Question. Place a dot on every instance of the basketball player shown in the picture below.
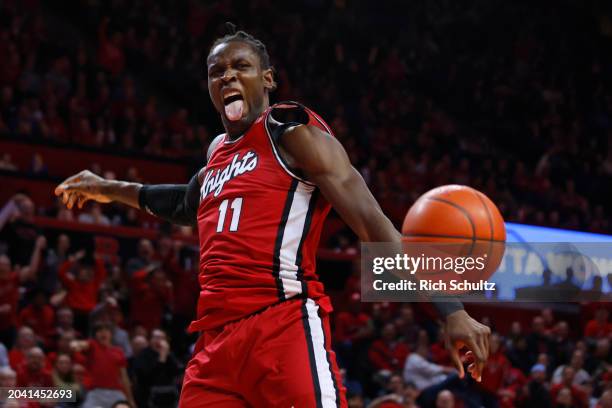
(259, 205)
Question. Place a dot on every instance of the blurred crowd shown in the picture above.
(524, 115)
(113, 328)
(511, 98)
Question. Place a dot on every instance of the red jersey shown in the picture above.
(259, 225)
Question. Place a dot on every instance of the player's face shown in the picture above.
(238, 85)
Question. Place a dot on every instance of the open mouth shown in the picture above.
(234, 105)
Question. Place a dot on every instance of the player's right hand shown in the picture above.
(82, 187)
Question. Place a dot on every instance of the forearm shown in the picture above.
(122, 191)
(176, 203)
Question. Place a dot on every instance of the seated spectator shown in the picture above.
(605, 401)
(155, 369)
(4, 359)
(537, 393)
(63, 376)
(25, 341)
(94, 215)
(8, 377)
(565, 399)
(388, 353)
(495, 370)
(9, 298)
(106, 366)
(578, 397)
(64, 346)
(7, 164)
(83, 288)
(144, 258)
(580, 375)
(445, 399)
(599, 326)
(64, 324)
(39, 316)
(38, 166)
(423, 373)
(151, 297)
(33, 372)
(108, 312)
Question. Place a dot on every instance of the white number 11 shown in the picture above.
(236, 207)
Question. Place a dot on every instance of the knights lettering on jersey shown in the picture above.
(259, 225)
(214, 180)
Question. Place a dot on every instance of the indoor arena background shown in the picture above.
(513, 98)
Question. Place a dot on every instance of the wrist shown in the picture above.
(456, 314)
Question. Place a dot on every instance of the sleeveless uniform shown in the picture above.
(262, 310)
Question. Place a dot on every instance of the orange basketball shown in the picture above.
(466, 220)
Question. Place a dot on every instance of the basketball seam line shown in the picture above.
(478, 195)
(464, 212)
(450, 236)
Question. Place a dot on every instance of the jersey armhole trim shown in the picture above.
(279, 158)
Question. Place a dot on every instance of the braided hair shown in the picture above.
(254, 43)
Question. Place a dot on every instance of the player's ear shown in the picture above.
(268, 77)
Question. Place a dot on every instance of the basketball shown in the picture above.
(458, 221)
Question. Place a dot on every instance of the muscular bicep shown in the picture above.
(325, 163)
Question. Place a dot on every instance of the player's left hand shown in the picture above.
(461, 330)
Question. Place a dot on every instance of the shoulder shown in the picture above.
(284, 117)
(213, 145)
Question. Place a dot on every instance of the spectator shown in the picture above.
(55, 257)
(9, 298)
(599, 326)
(578, 397)
(7, 164)
(423, 373)
(445, 399)
(4, 360)
(580, 375)
(63, 376)
(151, 297)
(33, 373)
(605, 401)
(537, 392)
(353, 327)
(155, 369)
(107, 311)
(495, 371)
(388, 353)
(8, 377)
(106, 366)
(144, 258)
(25, 341)
(39, 316)
(64, 347)
(94, 215)
(38, 166)
(83, 288)
(18, 229)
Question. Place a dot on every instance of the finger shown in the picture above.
(473, 344)
(72, 199)
(81, 202)
(454, 354)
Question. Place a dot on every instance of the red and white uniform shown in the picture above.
(259, 226)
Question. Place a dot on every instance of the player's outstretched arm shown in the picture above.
(325, 162)
(176, 203)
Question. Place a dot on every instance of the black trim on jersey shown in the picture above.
(298, 259)
(327, 347)
(311, 356)
(276, 129)
(279, 239)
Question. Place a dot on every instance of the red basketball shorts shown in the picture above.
(280, 357)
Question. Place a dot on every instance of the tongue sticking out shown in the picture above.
(233, 110)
